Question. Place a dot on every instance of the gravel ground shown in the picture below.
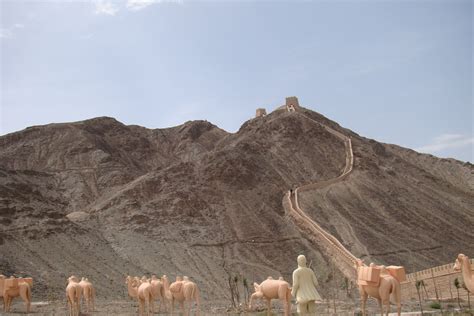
(129, 307)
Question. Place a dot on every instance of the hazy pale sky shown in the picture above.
(396, 71)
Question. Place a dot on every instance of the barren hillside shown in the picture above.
(103, 199)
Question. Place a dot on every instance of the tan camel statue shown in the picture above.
(191, 293)
(88, 293)
(12, 287)
(462, 263)
(158, 291)
(273, 289)
(145, 298)
(384, 290)
(73, 295)
(166, 291)
(132, 287)
(184, 292)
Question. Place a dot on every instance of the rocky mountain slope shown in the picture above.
(102, 199)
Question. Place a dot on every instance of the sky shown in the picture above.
(399, 72)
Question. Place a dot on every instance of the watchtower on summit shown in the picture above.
(292, 104)
(261, 112)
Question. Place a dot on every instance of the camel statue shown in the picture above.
(462, 263)
(88, 292)
(11, 288)
(184, 291)
(168, 297)
(158, 291)
(73, 295)
(273, 289)
(384, 290)
(145, 298)
(132, 287)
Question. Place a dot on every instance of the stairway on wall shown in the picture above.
(342, 258)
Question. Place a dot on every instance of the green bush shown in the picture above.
(435, 305)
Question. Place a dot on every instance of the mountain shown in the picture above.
(101, 199)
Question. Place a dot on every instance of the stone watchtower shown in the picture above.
(292, 104)
(261, 112)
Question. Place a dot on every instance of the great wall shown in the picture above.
(438, 281)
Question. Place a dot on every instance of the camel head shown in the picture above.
(256, 286)
(186, 279)
(130, 281)
(459, 261)
(72, 278)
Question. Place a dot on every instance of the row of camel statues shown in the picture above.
(379, 282)
(147, 290)
(77, 290)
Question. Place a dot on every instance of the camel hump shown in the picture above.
(274, 283)
(398, 272)
(29, 281)
(176, 287)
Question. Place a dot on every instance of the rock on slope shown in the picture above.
(103, 199)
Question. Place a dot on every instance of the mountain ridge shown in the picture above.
(197, 200)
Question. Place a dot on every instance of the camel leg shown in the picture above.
(269, 307)
(140, 307)
(187, 306)
(387, 306)
(251, 301)
(26, 296)
(68, 305)
(363, 301)
(152, 303)
(5, 303)
(181, 305)
(380, 306)
(9, 303)
(285, 307)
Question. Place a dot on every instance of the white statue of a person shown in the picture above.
(304, 288)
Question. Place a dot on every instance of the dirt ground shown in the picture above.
(129, 307)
